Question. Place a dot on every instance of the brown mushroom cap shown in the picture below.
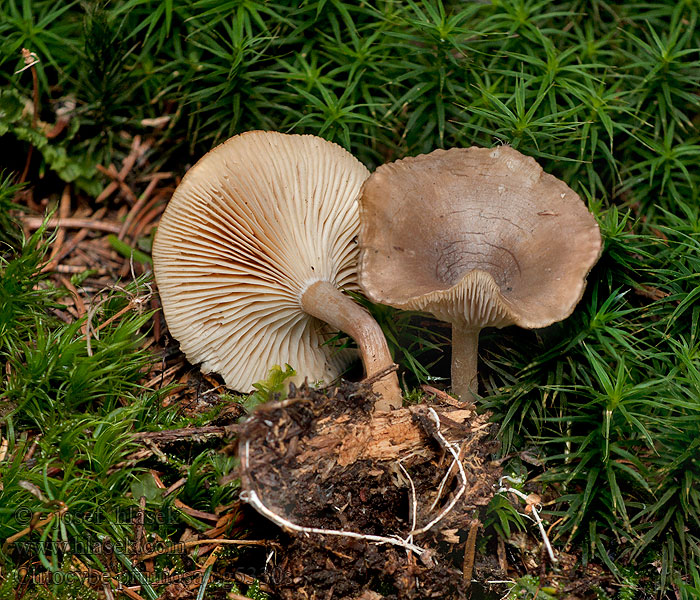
(252, 225)
(477, 234)
(479, 237)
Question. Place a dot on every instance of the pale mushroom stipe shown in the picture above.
(250, 257)
(478, 237)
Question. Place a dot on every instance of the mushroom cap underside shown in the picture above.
(257, 220)
(475, 235)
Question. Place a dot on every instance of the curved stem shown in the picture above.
(326, 302)
(465, 351)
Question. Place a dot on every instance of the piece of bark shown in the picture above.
(387, 436)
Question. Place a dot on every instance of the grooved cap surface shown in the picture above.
(253, 223)
(477, 236)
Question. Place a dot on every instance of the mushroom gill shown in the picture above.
(252, 252)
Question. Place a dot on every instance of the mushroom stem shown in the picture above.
(465, 351)
(326, 302)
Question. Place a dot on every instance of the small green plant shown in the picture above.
(629, 585)
(272, 388)
(72, 402)
(690, 588)
(252, 592)
(529, 588)
(503, 517)
(10, 233)
(58, 156)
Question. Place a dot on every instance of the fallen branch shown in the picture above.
(63, 212)
(322, 463)
(470, 552)
(401, 436)
(72, 269)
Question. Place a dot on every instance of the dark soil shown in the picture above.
(322, 459)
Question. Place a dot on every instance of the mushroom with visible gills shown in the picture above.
(250, 257)
(478, 237)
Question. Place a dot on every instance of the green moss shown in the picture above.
(604, 406)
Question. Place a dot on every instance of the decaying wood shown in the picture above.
(388, 436)
(330, 430)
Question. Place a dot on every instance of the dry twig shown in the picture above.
(98, 225)
(470, 552)
(194, 543)
(140, 204)
(63, 213)
(79, 236)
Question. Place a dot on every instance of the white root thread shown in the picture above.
(535, 512)
(414, 503)
(252, 498)
(414, 500)
(441, 489)
(463, 475)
